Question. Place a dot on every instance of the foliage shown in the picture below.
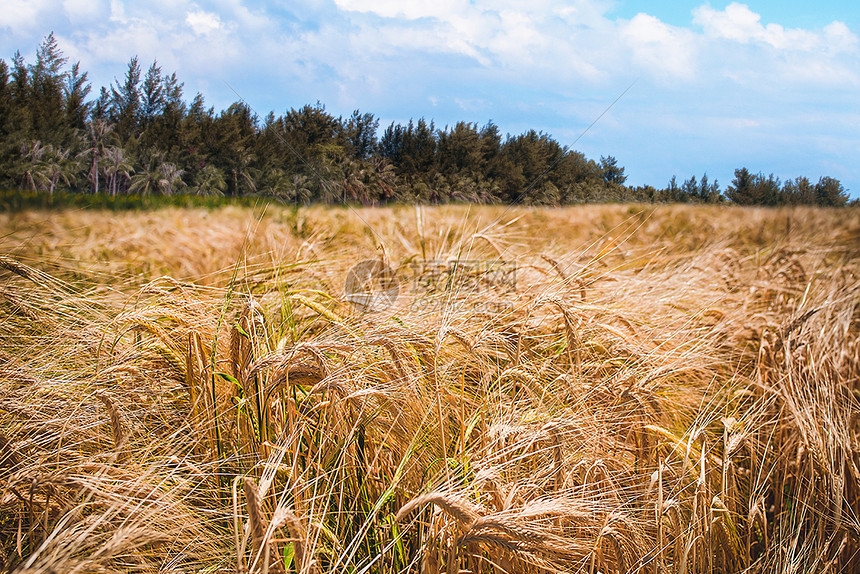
(140, 135)
(17, 200)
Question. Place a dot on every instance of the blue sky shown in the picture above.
(768, 85)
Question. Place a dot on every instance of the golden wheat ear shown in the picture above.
(464, 512)
(697, 413)
(117, 425)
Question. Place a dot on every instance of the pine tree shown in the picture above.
(19, 122)
(47, 104)
(8, 151)
(361, 135)
(125, 103)
(691, 189)
(612, 172)
(76, 90)
(743, 188)
(233, 134)
(460, 152)
(709, 192)
(151, 95)
(830, 193)
(799, 191)
(102, 106)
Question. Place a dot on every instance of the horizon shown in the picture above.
(766, 86)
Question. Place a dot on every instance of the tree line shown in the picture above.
(140, 135)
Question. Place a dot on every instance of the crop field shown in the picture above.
(439, 389)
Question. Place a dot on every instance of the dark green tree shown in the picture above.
(461, 153)
(195, 135)
(612, 172)
(101, 107)
(310, 130)
(491, 151)
(52, 136)
(411, 149)
(749, 189)
(691, 189)
(527, 168)
(830, 193)
(709, 192)
(578, 178)
(125, 103)
(75, 92)
(230, 143)
(151, 95)
(671, 193)
(743, 188)
(799, 191)
(46, 101)
(9, 154)
(360, 135)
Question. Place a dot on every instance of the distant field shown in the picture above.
(442, 389)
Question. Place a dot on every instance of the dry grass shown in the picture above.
(669, 390)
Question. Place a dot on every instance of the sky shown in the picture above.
(708, 87)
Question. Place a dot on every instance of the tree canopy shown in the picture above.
(140, 135)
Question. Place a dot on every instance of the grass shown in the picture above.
(667, 389)
(16, 200)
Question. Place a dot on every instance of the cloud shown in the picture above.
(369, 46)
(202, 23)
(117, 10)
(738, 23)
(409, 9)
(543, 64)
(665, 50)
(18, 14)
(838, 38)
(83, 12)
(767, 58)
(558, 41)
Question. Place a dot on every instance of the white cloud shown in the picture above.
(17, 14)
(117, 10)
(740, 24)
(839, 38)
(182, 37)
(202, 23)
(663, 49)
(737, 22)
(82, 12)
(742, 49)
(558, 40)
(409, 9)
(367, 45)
(470, 104)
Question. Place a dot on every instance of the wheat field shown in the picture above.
(639, 389)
